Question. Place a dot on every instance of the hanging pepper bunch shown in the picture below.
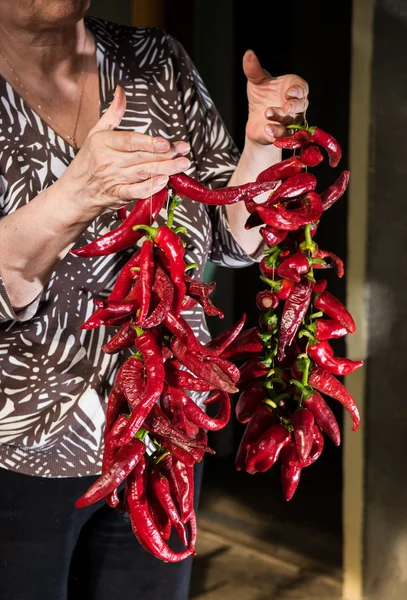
(150, 393)
(289, 361)
(290, 365)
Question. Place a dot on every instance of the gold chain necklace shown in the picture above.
(71, 138)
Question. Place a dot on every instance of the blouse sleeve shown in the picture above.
(214, 152)
(7, 312)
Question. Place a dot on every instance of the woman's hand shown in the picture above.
(274, 102)
(115, 167)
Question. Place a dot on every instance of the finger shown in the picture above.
(113, 115)
(128, 192)
(139, 173)
(275, 131)
(276, 114)
(253, 69)
(293, 107)
(131, 141)
(298, 89)
(130, 159)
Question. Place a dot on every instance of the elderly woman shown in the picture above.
(93, 115)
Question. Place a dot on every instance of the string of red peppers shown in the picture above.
(289, 362)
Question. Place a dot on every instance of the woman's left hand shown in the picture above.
(274, 102)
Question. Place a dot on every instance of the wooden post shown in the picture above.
(148, 13)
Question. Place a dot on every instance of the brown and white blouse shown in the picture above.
(54, 378)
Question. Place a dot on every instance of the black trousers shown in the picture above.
(49, 550)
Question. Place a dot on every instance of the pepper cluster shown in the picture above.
(150, 394)
(290, 361)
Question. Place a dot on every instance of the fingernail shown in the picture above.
(161, 145)
(288, 107)
(269, 113)
(116, 90)
(183, 164)
(269, 130)
(182, 147)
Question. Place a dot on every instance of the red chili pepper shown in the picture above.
(332, 307)
(316, 450)
(157, 423)
(122, 213)
(116, 404)
(164, 290)
(327, 329)
(326, 383)
(124, 462)
(323, 416)
(303, 422)
(328, 142)
(311, 156)
(273, 236)
(196, 415)
(251, 370)
(184, 477)
(282, 170)
(200, 292)
(266, 300)
(265, 451)
(180, 328)
(183, 380)
(266, 269)
(248, 342)
(124, 338)
(300, 139)
(291, 220)
(294, 311)
(161, 488)
(261, 420)
(227, 367)
(293, 267)
(323, 355)
(225, 339)
(290, 470)
(182, 184)
(188, 303)
(154, 367)
(130, 379)
(335, 191)
(142, 523)
(116, 307)
(285, 289)
(144, 212)
(147, 267)
(171, 404)
(320, 286)
(158, 514)
(166, 467)
(202, 367)
(249, 399)
(292, 187)
(336, 261)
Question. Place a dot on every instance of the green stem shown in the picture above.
(191, 266)
(273, 284)
(141, 434)
(297, 127)
(152, 231)
(181, 229)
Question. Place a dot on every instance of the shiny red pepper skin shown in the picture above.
(300, 139)
(116, 404)
(303, 423)
(251, 370)
(273, 236)
(226, 366)
(124, 338)
(154, 367)
(202, 367)
(282, 170)
(249, 400)
(294, 311)
(130, 379)
(147, 268)
(285, 289)
(182, 184)
(225, 339)
(311, 156)
(332, 307)
(323, 416)
(157, 423)
(316, 450)
(171, 245)
(336, 263)
(171, 404)
(290, 470)
(323, 355)
(141, 520)
(183, 380)
(292, 187)
(335, 191)
(160, 486)
(291, 220)
(246, 344)
(199, 417)
(159, 516)
(261, 420)
(200, 292)
(326, 383)
(144, 212)
(328, 142)
(122, 213)
(179, 327)
(320, 286)
(124, 462)
(327, 329)
(265, 269)
(184, 476)
(266, 300)
(265, 451)
(293, 267)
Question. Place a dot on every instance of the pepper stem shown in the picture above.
(141, 434)
(191, 266)
(298, 127)
(308, 243)
(274, 284)
(175, 202)
(152, 231)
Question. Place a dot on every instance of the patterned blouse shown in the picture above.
(54, 377)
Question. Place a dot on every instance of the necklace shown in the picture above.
(71, 138)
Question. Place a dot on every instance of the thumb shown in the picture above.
(253, 69)
(114, 114)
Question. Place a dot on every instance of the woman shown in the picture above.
(93, 115)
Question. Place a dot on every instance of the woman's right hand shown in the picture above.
(113, 168)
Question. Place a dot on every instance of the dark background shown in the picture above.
(312, 40)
